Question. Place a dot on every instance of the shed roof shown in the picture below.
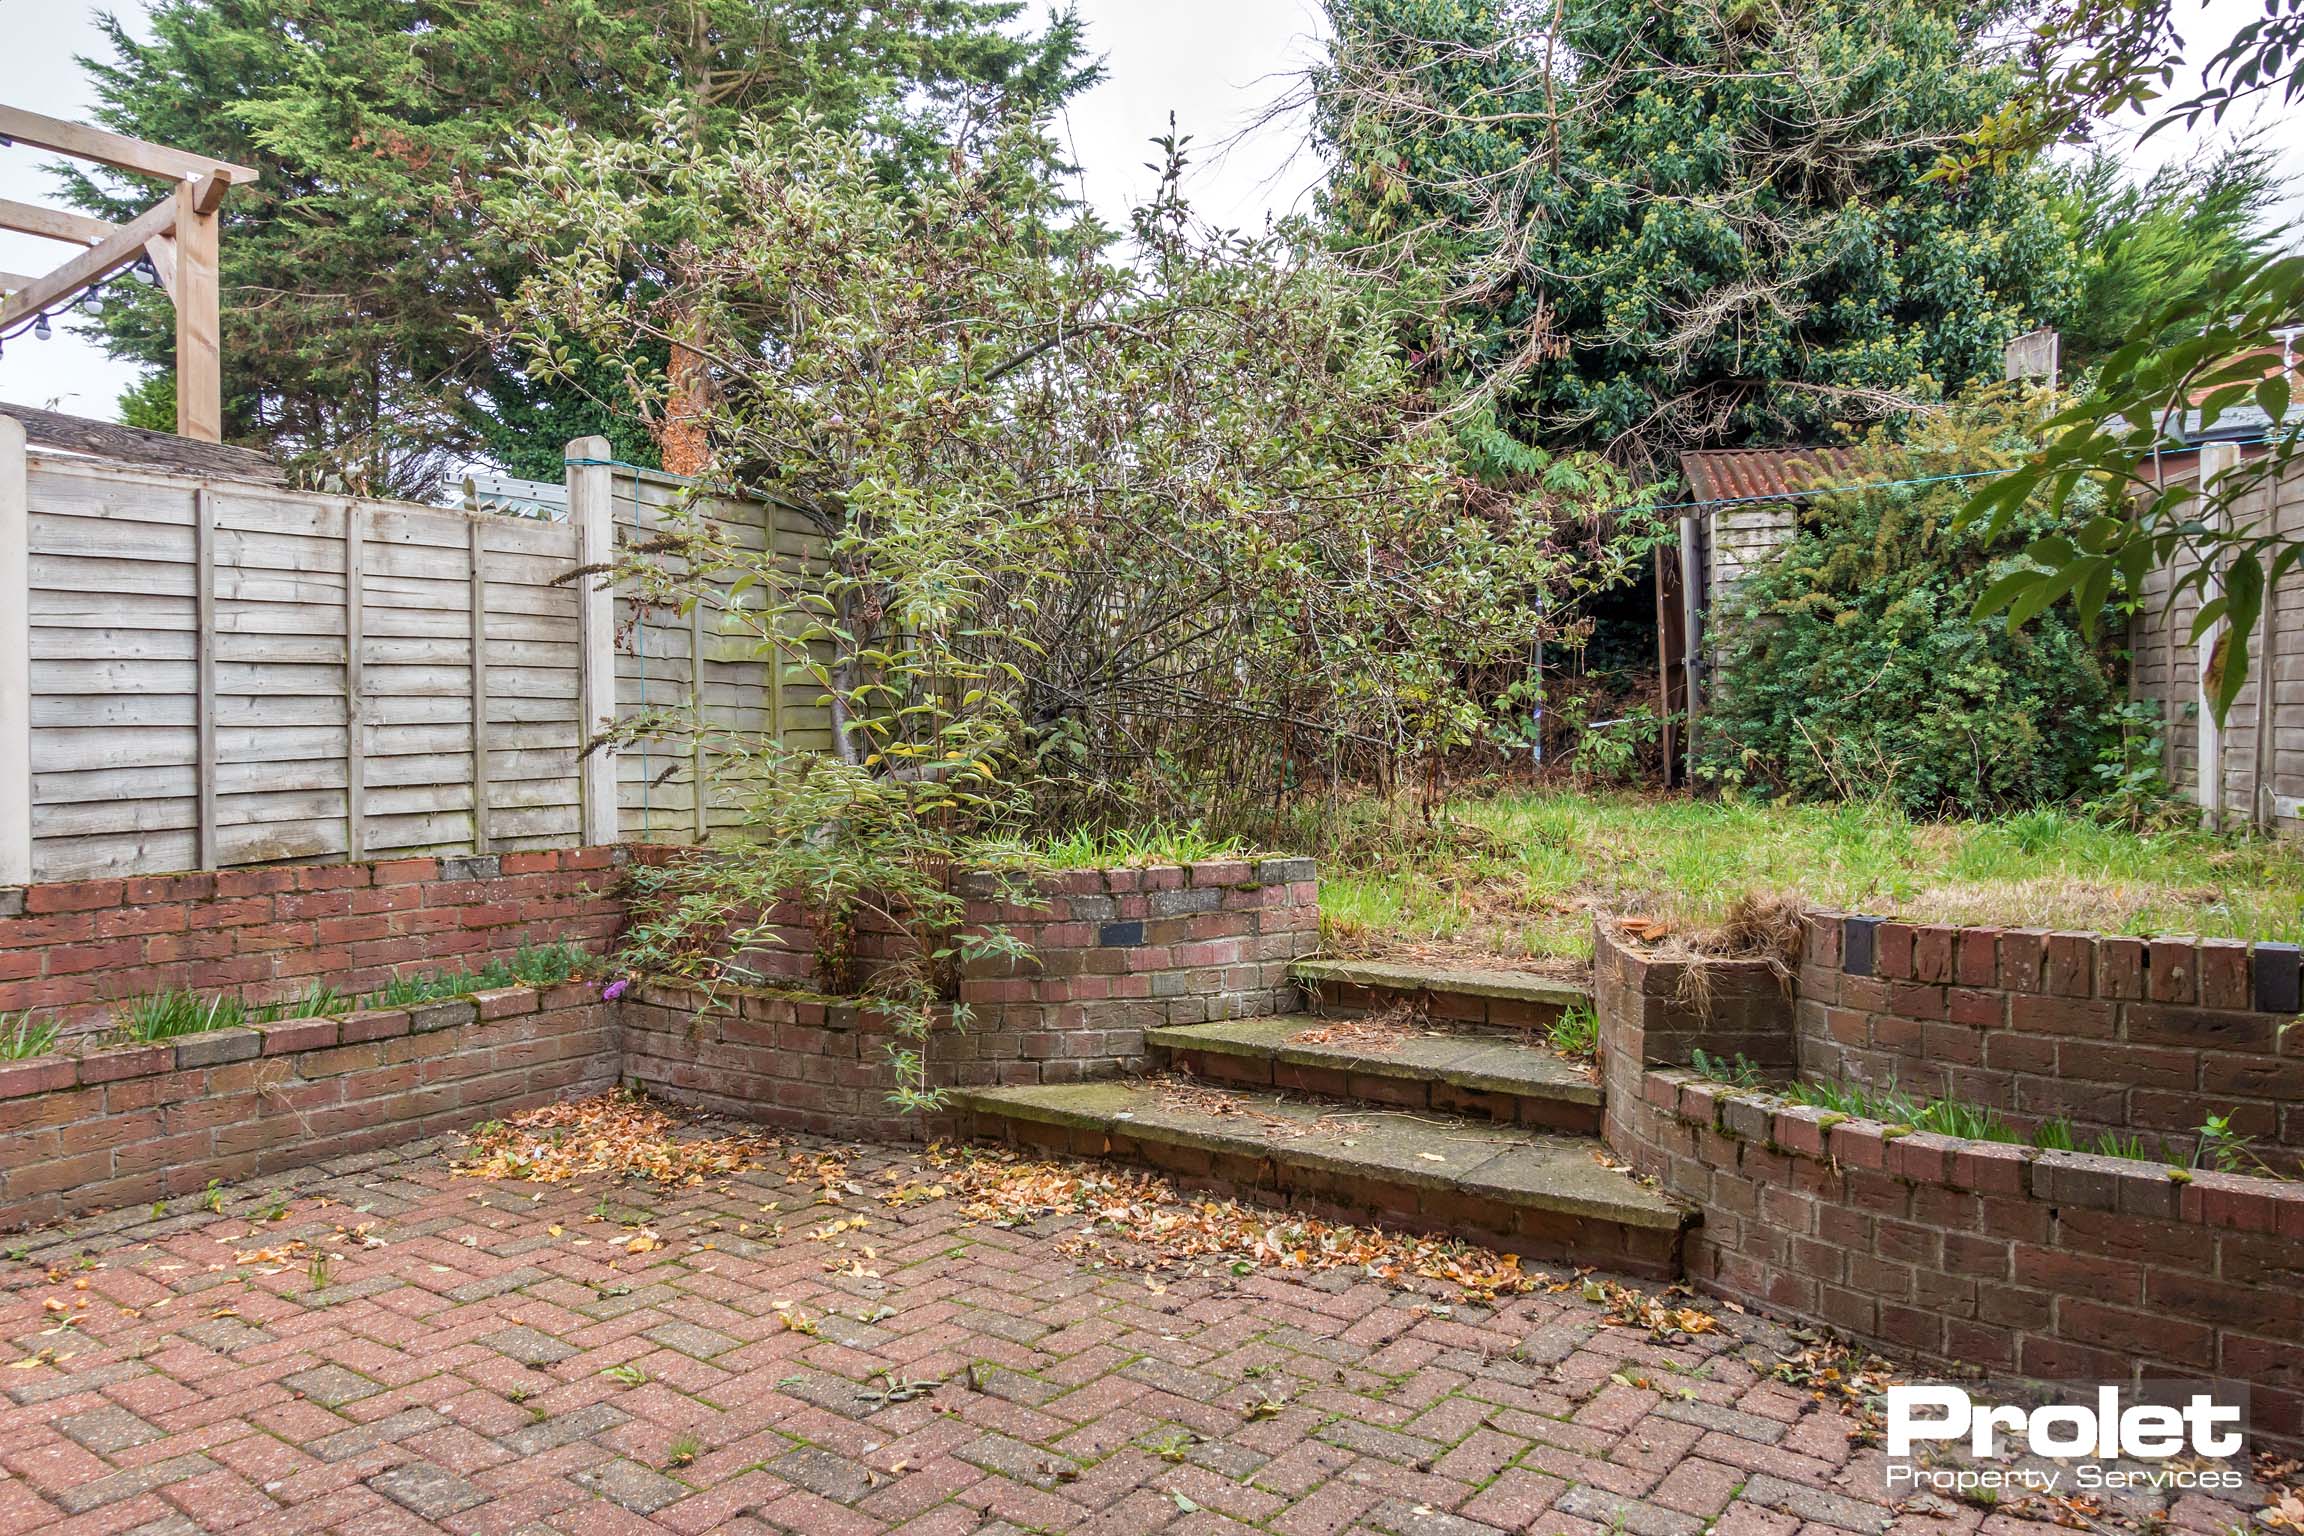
(135, 445)
(1761, 474)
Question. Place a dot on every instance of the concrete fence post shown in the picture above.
(15, 659)
(2208, 773)
(592, 513)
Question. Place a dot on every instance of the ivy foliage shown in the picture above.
(1851, 666)
(352, 270)
(1651, 227)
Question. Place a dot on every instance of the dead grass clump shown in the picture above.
(1757, 927)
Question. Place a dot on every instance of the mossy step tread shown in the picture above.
(1469, 981)
(1480, 1063)
(1503, 1163)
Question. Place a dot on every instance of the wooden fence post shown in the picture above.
(592, 512)
(15, 660)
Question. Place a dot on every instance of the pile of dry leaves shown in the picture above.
(1157, 1228)
(620, 1134)
(2283, 1480)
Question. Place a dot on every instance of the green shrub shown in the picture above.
(1849, 667)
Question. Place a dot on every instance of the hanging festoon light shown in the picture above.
(41, 330)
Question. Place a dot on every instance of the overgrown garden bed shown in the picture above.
(1516, 875)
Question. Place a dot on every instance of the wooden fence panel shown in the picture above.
(2164, 669)
(218, 673)
(658, 652)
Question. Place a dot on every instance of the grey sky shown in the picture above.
(1215, 63)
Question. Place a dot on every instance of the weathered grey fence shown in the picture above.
(200, 673)
(2259, 750)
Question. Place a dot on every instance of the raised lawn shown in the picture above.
(1523, 878)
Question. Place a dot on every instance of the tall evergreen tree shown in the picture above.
(1648, 227)
(354, 272)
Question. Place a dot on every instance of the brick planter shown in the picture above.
(1115, 953)
(125, 1124)
(2126, 1035)
(2051, 1266)
(72, 949)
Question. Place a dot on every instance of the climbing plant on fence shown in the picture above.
(1117, 531)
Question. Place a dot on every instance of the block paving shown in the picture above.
(492, 1359)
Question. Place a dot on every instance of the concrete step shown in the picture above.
(1546, 1196)
(1468, 1072)
(1445, 993)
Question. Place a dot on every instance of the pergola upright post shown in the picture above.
(199, 370)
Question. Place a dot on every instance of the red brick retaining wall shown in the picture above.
(1113, 953)
(2053, 1266)
(71, 949)
(2115, 1034)
(126, 1124)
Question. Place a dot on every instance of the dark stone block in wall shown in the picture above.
(2277, 987)
(1121, 935)
(1856, 945)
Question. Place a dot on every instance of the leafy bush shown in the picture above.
(1849, 667)
(1117, 536)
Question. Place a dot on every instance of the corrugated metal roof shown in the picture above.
(1761, 474)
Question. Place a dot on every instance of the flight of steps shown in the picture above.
(1468, 1125)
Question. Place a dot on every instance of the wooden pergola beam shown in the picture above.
(116, 150)
(53, 223)
(93, 265)
(178, 235)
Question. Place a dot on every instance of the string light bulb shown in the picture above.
(40, 328)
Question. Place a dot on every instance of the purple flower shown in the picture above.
(616, 989)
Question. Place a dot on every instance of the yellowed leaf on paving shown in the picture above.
(556, 1229)
(642, 1242)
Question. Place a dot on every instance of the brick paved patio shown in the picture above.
(486, 1357)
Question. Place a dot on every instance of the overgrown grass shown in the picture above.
(20, 1038)
(319, 1002)
(1517, 875)
(1120, 846)
(541, 965)
(2214, 1145)
(1575, 1033)
(153, 1016)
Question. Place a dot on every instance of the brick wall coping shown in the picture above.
(63, 896)
(2175, 969)
(100, 1062)
(741, 1000)
(1120, 879)
(2126, 1186)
